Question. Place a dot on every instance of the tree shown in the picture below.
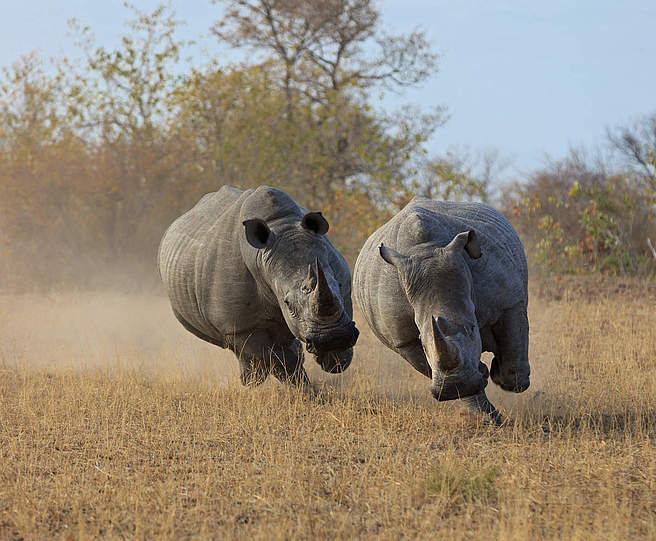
(325, 56)
(578, 217)
(236, 119)
(121, 100)
(636, 144)
(462, 174)
(326, 46)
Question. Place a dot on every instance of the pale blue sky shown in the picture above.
(528, 78)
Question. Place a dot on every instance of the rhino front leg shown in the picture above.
(259, 356)
(510, 366)
(253, 350)
(479, 403)
(252, 372)
(287, 364)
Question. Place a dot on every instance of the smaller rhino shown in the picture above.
(440, 283)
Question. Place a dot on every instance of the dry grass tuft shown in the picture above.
(114, 422)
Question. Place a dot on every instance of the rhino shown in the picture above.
(440, 283)
(254, 272)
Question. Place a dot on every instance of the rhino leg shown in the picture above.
(287, 365)
(479, 403)
(414, 354)
(259, 356)
(252, 372)
(510, 367)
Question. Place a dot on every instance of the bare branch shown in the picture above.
(651, 247)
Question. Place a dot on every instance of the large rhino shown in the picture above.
(254, 272)
(440, 283)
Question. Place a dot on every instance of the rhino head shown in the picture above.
(314, 300)
(439, 286)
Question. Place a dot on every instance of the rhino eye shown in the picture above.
(305, 289)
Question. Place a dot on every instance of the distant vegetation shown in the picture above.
(578, 217)
(99, 154)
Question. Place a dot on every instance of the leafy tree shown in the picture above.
(121, 100)
(461, 174)
(242, 136)
(98, 156)
(326, 46)
(577, 218)
(325, 57)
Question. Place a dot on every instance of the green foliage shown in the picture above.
(445, 180)
(574, 221)
(124, 91)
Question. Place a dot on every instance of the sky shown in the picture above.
(530, 79)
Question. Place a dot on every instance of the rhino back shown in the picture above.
(201, 265)
(500, 276)
(504, 261)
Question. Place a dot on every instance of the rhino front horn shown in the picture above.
(323, 299)
(448, 360)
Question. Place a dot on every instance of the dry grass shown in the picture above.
(114, 422)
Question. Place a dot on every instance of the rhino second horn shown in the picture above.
(448, 361)
(323, 299)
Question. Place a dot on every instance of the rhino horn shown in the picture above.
(310, 281)
(448, 360)
(323, 299)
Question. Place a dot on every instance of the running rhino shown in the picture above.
(440, 283)
(254, 272)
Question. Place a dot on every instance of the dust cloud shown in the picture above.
(105, 331)
(113, 332)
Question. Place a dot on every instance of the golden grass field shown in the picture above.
(117, 423)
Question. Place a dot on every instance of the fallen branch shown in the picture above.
(651, 247)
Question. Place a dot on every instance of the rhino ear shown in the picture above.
(315, 222)
(467, 240)
(257, 232)
(393, 257)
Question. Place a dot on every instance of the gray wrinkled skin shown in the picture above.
(253, 271)
(440, 283)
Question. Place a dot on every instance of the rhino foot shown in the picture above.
(479, 403)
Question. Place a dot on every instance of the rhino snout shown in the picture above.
(333, 340)
(459, 385)
(336, 361)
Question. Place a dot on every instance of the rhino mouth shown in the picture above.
(459, 385)
(334, 339)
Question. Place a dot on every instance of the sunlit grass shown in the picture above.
(114, 422)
